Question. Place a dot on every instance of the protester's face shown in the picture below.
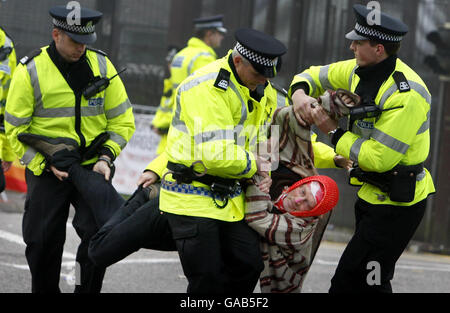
(300, 199)
(69, 49)
(365, 54)
(248, 75)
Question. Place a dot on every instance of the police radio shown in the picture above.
(361, 112)
(4, 52)
(98, 85)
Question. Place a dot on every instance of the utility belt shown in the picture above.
(221, 188)
(399, 183)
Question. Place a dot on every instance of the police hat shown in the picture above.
(82, 30)
(263, 51)
(390, 29)
(215, 22)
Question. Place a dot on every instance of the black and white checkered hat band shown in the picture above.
(370, 32)
(76, 29)
(254, 57)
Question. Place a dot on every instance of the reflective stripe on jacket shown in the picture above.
(219, 127)
(399, 136)
(41, 102)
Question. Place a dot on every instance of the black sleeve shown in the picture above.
(298, 86)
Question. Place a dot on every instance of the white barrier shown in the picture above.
(138, 153)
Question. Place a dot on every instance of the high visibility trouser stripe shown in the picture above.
(191, 63)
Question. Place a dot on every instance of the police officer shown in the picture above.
(216, 137)
(163, 116)
(47, 97)
(389, 147)
(209, 33)
(7, 66)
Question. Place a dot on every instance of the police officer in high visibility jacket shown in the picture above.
(7, 66)
(47, 97)
(210, 144)
(163, 116)
(209, 33)
(388, 138)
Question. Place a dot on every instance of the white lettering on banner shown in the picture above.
(138, 153)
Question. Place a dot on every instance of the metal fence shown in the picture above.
(136, 33)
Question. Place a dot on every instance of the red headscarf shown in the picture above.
(326, 197)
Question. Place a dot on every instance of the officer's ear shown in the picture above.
(56, 35)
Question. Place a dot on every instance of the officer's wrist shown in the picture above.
(106, 159)
(335, 135)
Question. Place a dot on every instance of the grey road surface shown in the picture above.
(149, 271)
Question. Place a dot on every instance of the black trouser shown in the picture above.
(2, 178)
(44, 231)
(217, 256)
(137, 224)
(382, 233)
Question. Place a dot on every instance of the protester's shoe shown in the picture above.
(60, 152)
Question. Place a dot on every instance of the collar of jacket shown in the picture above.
(256, 94)
(195, 42)
(59, 60)
(378, 71)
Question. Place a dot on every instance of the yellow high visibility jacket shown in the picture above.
(215, 121)
(163, 115)
(399, 136)
(41, 102)
(7, 67)
(323, 154)
(194, 56)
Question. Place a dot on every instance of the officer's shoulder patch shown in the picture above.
(401, 81)
(30, 56)
(98, 51)
(223, 79)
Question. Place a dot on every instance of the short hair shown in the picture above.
(235, 53)
(201, 32)
(391, 48)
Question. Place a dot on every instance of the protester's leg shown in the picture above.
(44, 228)
(381, 236)
(242, 257)
(99, 194)
(84, 222)
(199, 247)
(137, 224)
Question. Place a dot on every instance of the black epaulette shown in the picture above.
(223, 79)
(98, 51)
(30, 56)
(279, 89)
(7, 35)
(401, 81)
